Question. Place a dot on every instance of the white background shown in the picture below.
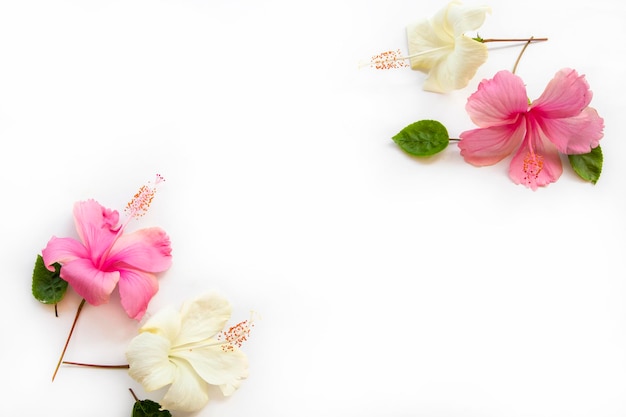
(387, 285)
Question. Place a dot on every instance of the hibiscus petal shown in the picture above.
(136, 290)
(218, 367)
(498, 101)
(146, 249)
(148, 361)
(165, 323)
(462, 18)
(440, 23)
(63, 250)
(575, 135)
(203, 318)
(188, 391)
(537, 162)
(439, 47)
(458, 68)
(566, 95)
(96, 226)
(490, 145)
(93, 285)
(426, 48)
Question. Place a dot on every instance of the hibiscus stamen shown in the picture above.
(136, 208)
(532, 166)
(140, 203)
(236, 335)
(388, 60)
(395, 59)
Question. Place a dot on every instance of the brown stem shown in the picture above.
(92, 365)
(133, 394)
(69, 336)
(531, 39)
(521, 53)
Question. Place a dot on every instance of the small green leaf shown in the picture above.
(148, 408)
(48, 286)
(588, 166)
(423, 138)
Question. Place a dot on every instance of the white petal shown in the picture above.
(440, 21)
(188, 391)
(147, 356)
(166, 323)
(459, 68)
(461, 19)
(218, 367)
(439, 48)
(203, 318)
(426, 47)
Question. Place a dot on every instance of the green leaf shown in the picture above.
(48, 286)
(588, 166)
(423, 138)
(148, 408)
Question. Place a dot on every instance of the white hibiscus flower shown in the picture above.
(440, 48)
(189, 350)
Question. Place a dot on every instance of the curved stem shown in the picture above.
(69, 336)
(521, 53)
(92, 365)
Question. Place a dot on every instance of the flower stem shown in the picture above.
(69, 336)
(91, 365)
(133, 394)
(531, 39)
(520, 54)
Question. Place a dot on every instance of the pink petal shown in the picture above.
(63, 250)
(574, 135)
(136, 290)
(490, 145)
(537, 162)
(93, 285)
(96, 226)
(566, 95)
(498, 101)
(146, 249)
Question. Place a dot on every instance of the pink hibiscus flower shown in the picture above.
(105, 257)
(559, 121)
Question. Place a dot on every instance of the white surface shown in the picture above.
(386, 285)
